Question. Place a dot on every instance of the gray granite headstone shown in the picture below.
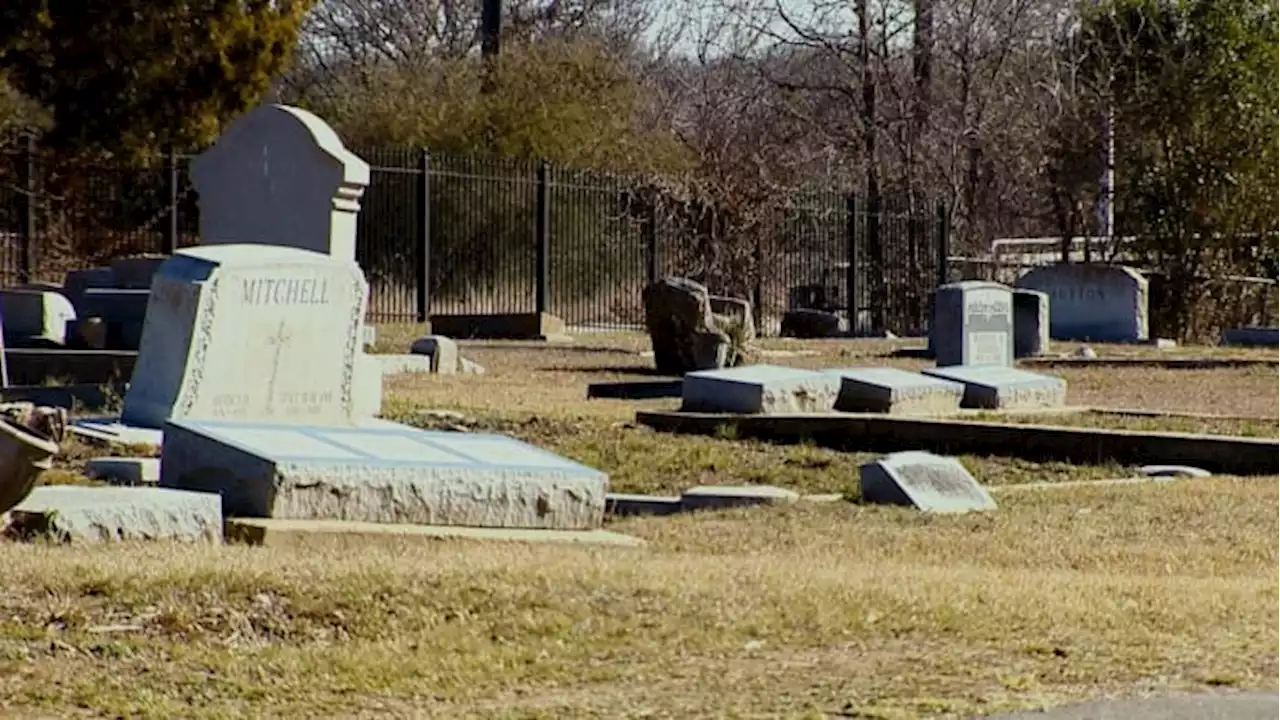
(894, 391)
(760, 389)
(972, 324)
(382, 473)
(1000, 388)
(1102, 303)
(1030, 323)
(69, 513)
(932, 483)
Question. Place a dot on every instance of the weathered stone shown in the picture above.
(136, 271)
(279, 175)
(398, 364)
(682, 328)
(67, 513)
(809, 323)
(384, 473)
(35, 317)
(125, 470)
(1251, 337)
(998, 388)
(442, 351)
(1173, 471)
(897, 392)
(722, 497)
(1030, 323)
(1101, 303)
(272, 532)
(929, 482)
(729, 310)
(250, 331)
(972, 324)
(766, 389)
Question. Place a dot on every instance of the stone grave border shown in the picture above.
(1225, 454)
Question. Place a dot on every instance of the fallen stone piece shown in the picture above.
(623, 504)
(999, 388)
(1251, 337)
(763, 389)
(443, 352)
(810, 323)
(385, 473)
(69, 513)
(127, 471)
(1173, 471)
(897, 392)
(929, 482)
(721, 497)
(291, 533)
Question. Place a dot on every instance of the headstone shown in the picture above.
(1251, 337)
(136, 271)
(897, 392)
(77, 281)
(279, 175)
(123, 311)
(76, 514)
(35, 317)
(1030, 323)
(929, 482)
(972, 324)
(999, 388)
(442, 350)
(734, 310)
(764, 389)
(384, 473)
(250, 331)
(810, 323)
(1100, 303)
(125, 470)
(721, 497)
(682, 328)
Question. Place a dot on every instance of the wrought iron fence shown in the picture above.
(442, 234)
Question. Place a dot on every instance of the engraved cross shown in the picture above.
(279, 340)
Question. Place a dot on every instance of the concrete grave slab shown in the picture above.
(296, 533)
(721, 497)
(250, 331)
(383, 473)
(1102, 303)
(760, 389)
(274, 157)
(35, 317)
(972, 324)
(125, 470)
(68, 513)
(897, 392)
(1030, 323)
(996, 388)
(932, 483)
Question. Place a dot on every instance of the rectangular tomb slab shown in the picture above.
(383, 473)
(763, 389)
(69, 513)
(1000, 388)
(897, 392)
(932, 483)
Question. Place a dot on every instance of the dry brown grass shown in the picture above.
(812, 610)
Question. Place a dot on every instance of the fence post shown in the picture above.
(851, 256)
(879, 287)
(943, 231)
(422, 268)
(171, 173)
(542, 240)
(27, 268)
(650, 232)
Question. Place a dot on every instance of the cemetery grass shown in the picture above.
(811, 610)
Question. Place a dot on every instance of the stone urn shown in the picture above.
(29, 439)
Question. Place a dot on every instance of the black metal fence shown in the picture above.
(440, 234)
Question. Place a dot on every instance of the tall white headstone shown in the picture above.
(250, 332)
(280, 176)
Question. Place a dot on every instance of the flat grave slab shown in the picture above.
(624, 504)
(932, 483)
(897, 392)
(636, 389)
(1251, 336)
(384, 473)
(125, 470)
(759, 389)
(1001, 388)
(292, 533)
(720, 497)
(69, 513)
